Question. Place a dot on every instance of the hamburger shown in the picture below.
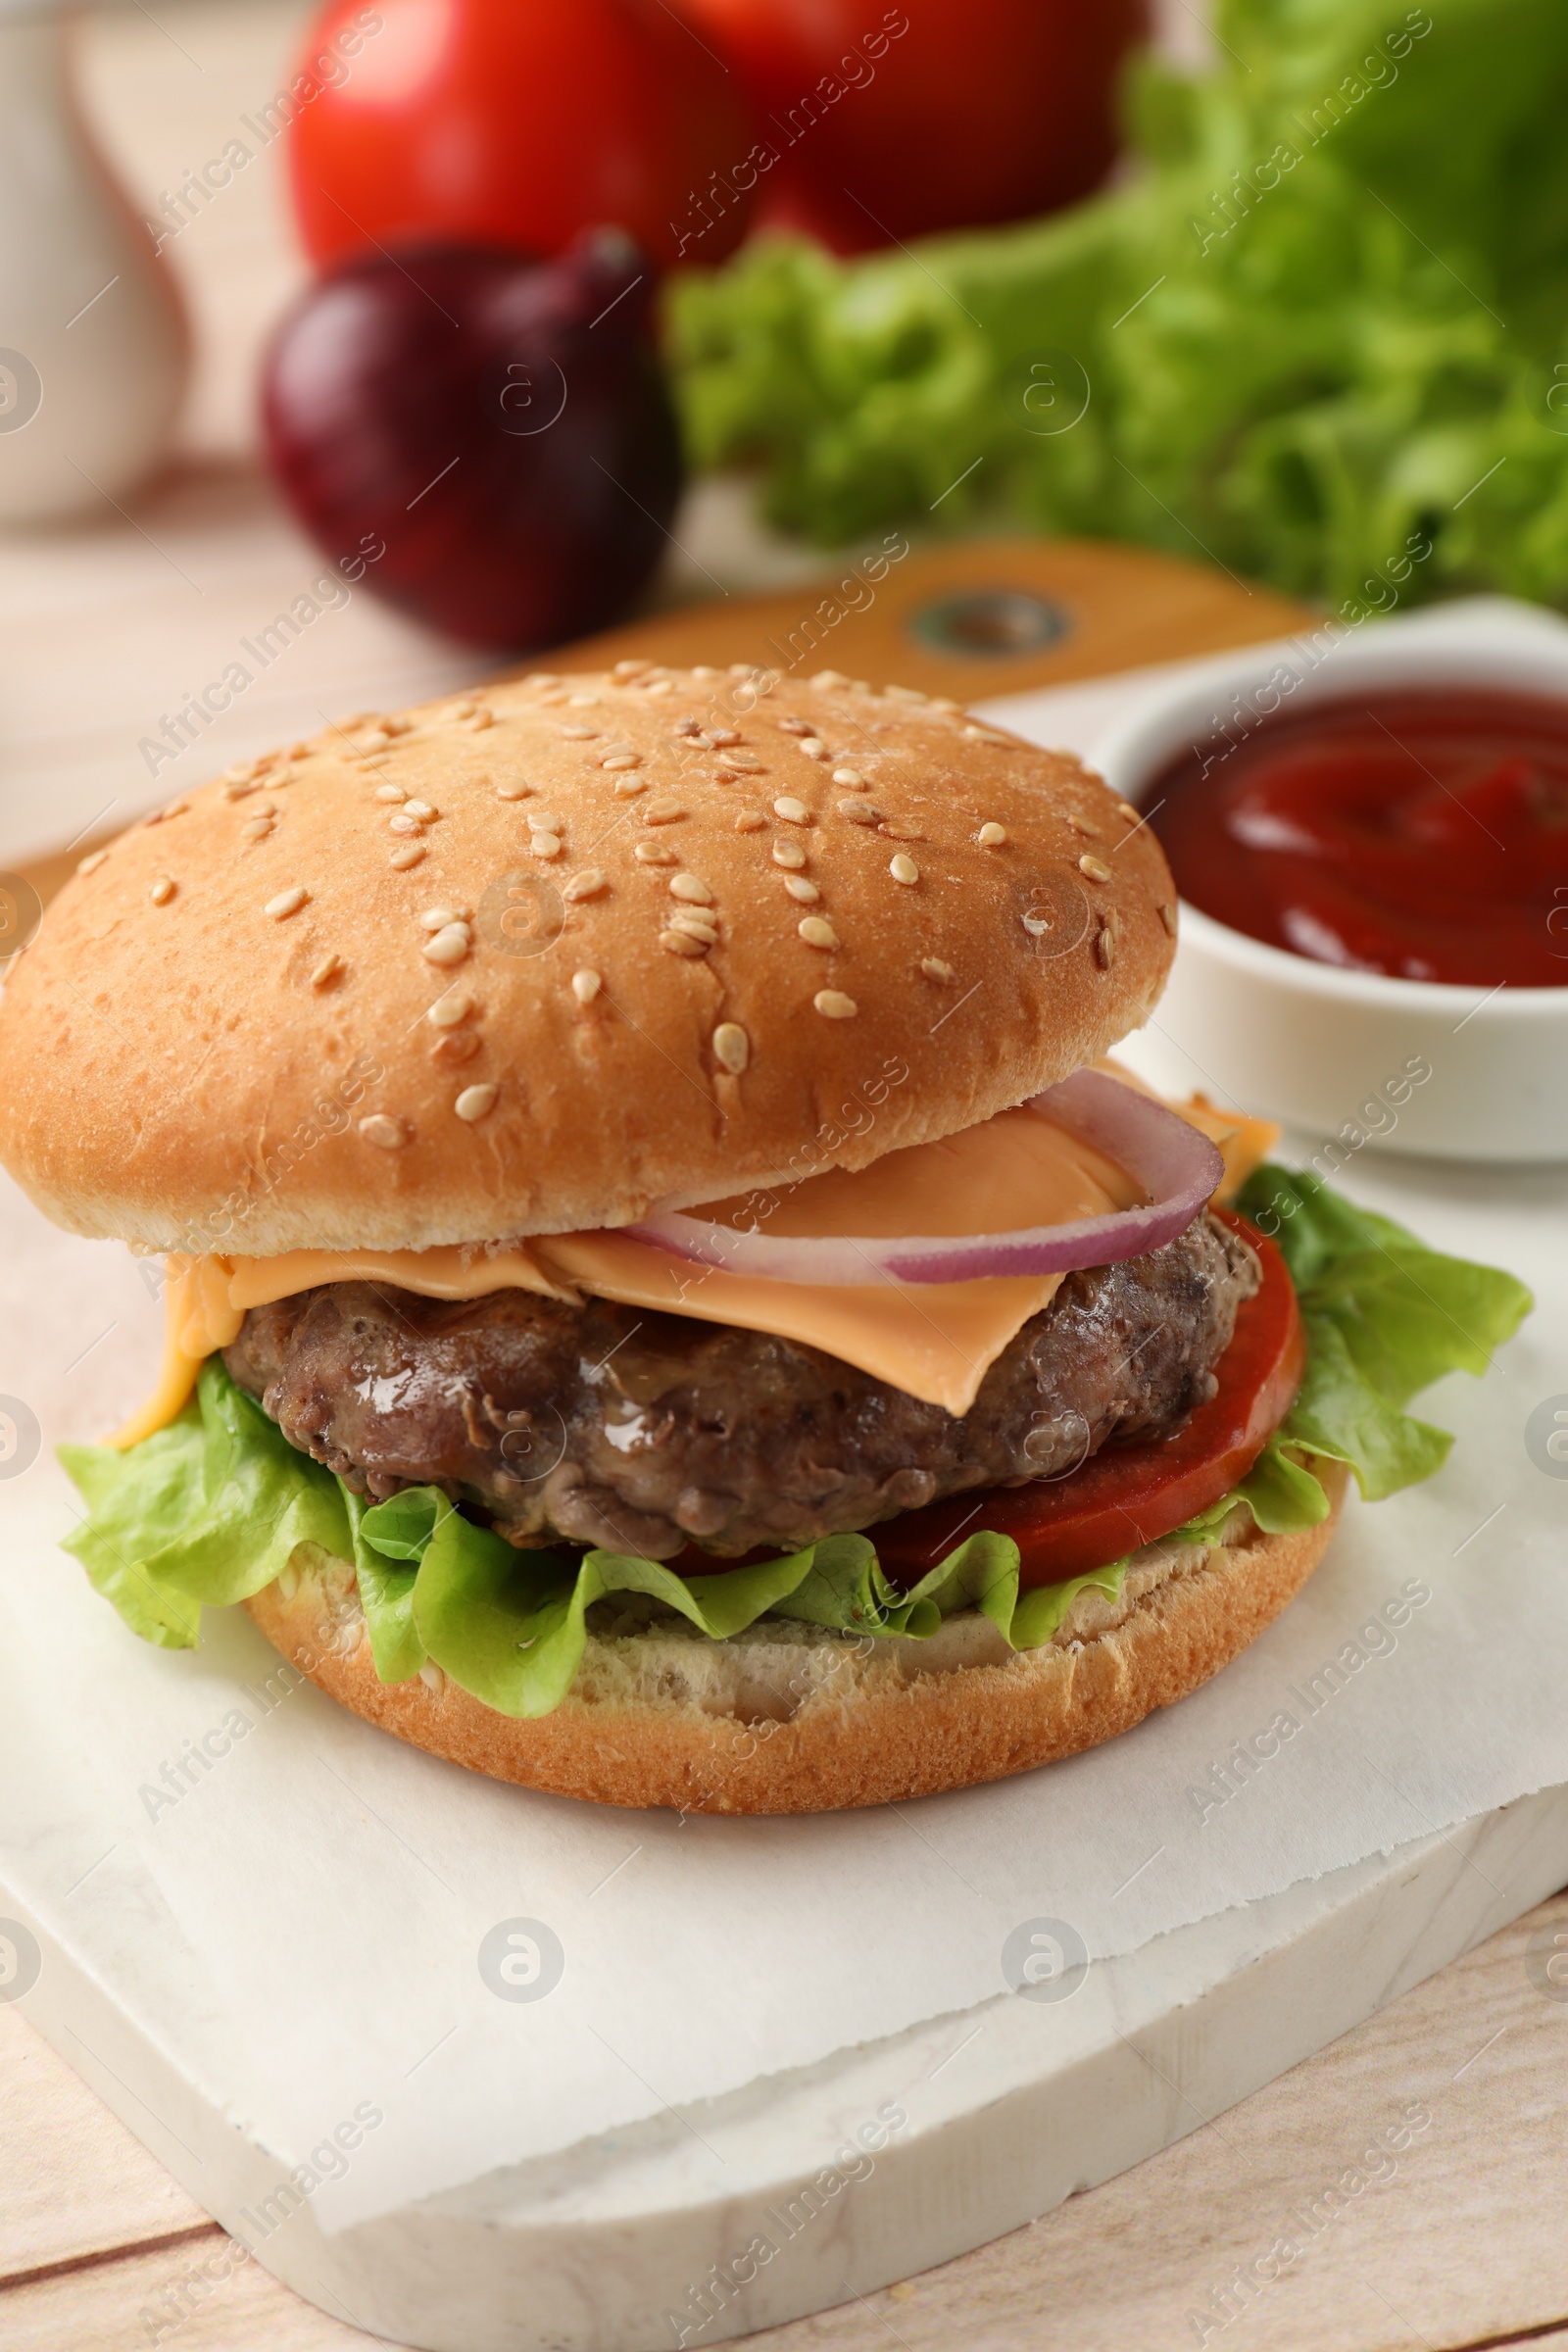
(668, 1301)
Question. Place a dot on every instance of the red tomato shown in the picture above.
(514, 123)
(894, 123)
(1131, 1495)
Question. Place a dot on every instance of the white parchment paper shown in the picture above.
(305, 1920)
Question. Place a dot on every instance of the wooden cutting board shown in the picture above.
(976, 618)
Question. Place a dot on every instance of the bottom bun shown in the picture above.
(788, 1718)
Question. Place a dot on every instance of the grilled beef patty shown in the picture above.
(637, 1431)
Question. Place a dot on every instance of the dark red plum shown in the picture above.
(502, 423)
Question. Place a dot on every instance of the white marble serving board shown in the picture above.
(305, 1935)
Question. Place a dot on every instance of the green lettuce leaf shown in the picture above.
(1385, 1318)
(211, 1509)
(205, 1512)
(137, 1503)
(1316, 334)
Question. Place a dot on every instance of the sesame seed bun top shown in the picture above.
(536, 959)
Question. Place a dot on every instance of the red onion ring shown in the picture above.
(1179, 1169)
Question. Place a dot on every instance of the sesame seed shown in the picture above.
(790, 854)
(457, 1046)
(795, 726)
(944, 702)
(624, 759)
(256, 828)
(153, 816)
(984, 735)
(1081, 825)
(1167, 915)
(424, 811)
(585, 985)
(1094, 868)
(545, 844)
(288, 902)
(327, 969)
(92, 862)
(390, 792)
(903, 869)
(547, 820)
(586, 885)
(794, 813)
(830, 678)
(411, 854)
(697, 923)
(654, 853)
(850, 775)
(815, 748)
(750, 820)
(992, 837)
(798, 888)
(1105, 947)
(834, 1006)
(512, 792)
(716, 735)
(450, 945)
(455, 711)
(543, 678)
(904, 694)
(390, 1134)
(732, 1048)
(389, 727)
(579, 734)
(662, 812)
(817, 931)
(436, 919)
(162, 891)
(901, 832)
(860, 812)
(706, 670)
(690, 888)
(935, 969)
(403, 824)
(628, 787)
(629, 670)
(1125, 808)
(475, 1101)
(681, 943)
(481, 718)
(448, 1010)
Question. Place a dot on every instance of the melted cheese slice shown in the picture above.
(936, 1341)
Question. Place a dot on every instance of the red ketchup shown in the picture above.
(1420, 834)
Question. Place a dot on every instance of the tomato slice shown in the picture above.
(1131, 1495)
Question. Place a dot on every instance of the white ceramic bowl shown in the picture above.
(1409, 1065)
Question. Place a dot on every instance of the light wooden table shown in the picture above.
(1464, 2245)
